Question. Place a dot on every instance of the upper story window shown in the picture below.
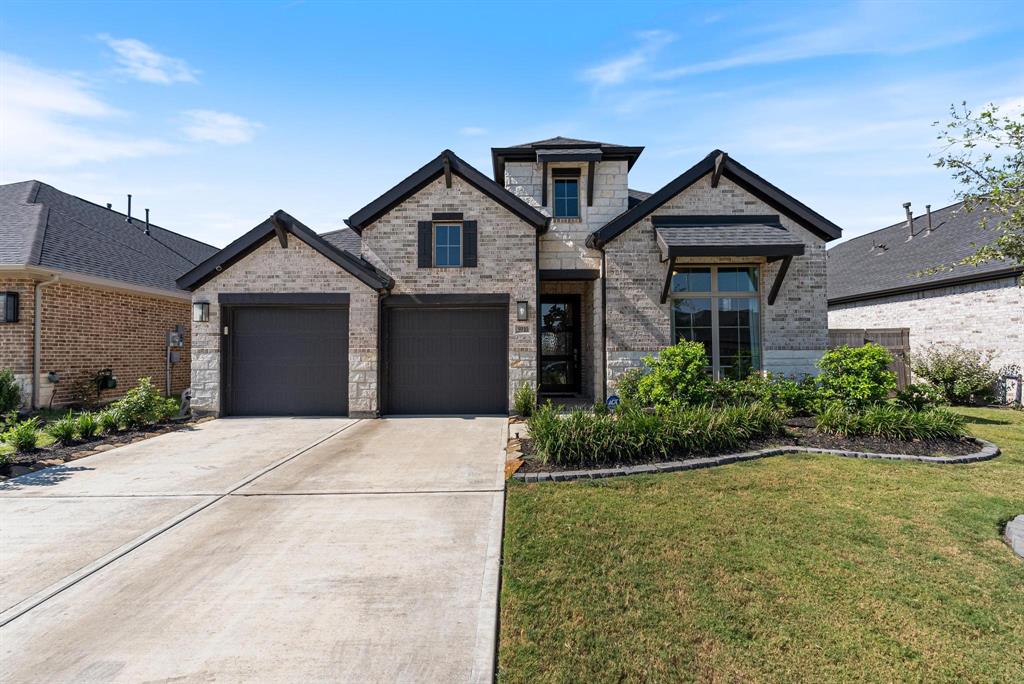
(448, 244)
(8, 307)
(567, 197)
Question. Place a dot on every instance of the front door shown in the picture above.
(560, 344)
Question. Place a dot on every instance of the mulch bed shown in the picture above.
(54, 454)
(799, 432)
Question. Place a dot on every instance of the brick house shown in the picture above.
(84, 289)
(453, 288)
(882, 280)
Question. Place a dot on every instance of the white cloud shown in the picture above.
(206, 125)
(142, 62)
(52, 120)
(473, 131)
(618, 70)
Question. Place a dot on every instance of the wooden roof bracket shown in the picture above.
(447, 172)
(779, 277)
(716, 176)
(281, 231)
(668, 280)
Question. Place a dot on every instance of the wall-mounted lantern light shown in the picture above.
(522, 311)
(200, 312)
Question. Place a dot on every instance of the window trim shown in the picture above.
(433, 242)
(715, 295)
(555, 180)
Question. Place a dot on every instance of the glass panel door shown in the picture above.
(559, 344)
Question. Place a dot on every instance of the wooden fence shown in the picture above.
(896, 340)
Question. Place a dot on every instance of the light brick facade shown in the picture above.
(987, 316)
(271, 268)
(87, 328)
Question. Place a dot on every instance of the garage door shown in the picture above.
(288, 361)
(447, 360)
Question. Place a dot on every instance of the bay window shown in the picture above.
(719, 307)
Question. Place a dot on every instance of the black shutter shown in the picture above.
(425, 243)
(469, 244)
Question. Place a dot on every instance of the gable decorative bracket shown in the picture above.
(716, 176)
(281, 231)
(447, 172)
(668, 281)
(779, 277)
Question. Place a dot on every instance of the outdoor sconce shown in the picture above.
(201, 312)
(522, 311)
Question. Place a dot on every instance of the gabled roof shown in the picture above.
(885, 262)
(737, 173)
(435, 168)
(743, 235)
(559, 148)
(43, 227)
(277, 224)
(636, 197)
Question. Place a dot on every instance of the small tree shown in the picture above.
(985, 153)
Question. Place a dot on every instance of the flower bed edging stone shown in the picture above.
(988, 451)
(1014, 535)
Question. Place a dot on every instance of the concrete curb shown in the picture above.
(1014, 535)
(988, 451)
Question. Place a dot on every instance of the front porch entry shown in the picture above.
(568, 313)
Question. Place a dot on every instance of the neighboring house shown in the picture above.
(451, 289)
(83, 290)
(887, 279)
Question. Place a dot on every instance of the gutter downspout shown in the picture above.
(604, 326)
(37, 334)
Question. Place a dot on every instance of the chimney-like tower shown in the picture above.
(910, 220)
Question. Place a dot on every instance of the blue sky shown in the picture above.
(214, 115)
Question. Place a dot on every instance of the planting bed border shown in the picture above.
(988, 451)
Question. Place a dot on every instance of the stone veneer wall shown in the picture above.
(564, 245)
(86, 328)
(987, 316)
(794, 329)
(506, 247)
(297, 268)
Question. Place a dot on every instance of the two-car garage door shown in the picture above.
(437, 359)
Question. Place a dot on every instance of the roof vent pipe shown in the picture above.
(109, 205)
(128, 217)
(910, 220)
(147, 221)
(928, 209)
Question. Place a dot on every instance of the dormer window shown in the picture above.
(566, 193)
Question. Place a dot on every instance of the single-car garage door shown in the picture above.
(446, 360)
(288, 361)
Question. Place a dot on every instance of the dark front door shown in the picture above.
(446, 360)
(560, 344)
(287, 361)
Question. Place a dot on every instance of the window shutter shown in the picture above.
(469, 244)
(425, 244)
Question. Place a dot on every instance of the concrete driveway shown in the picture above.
(260, 550)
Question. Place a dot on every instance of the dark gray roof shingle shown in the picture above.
(42, 226)
(345, 239)
(885, 260)
(636, 197)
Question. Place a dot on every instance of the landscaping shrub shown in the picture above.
(524, 400)
(24, 435)
(919, 397)
(109, 420)
(628, 385)
(962, 375)
(631, 434)
(140, 405)
(64, 429)
(795, 397)
(677, 377)
(891, 422)
(10, 391)
(88, 425)
(856, 376)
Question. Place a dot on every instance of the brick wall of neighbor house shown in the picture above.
(87, 328)
(564, 245)
(297, 268)
(505, 260)
(987, 316)
(794, 329)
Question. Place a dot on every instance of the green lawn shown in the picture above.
(794, 568)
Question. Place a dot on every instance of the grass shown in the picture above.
(794, 568)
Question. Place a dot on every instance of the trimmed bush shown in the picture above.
(24, 435)
(856, 376)
(918, 397)
(64, 429)
(962, 375)
(524, 400)
(88, 425)
(628, 385)
(677, 377)
(891, 422)
(140, 405)
(795, 397)
(632, 434)
(10, 391)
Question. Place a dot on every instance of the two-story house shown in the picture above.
(452, 289)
